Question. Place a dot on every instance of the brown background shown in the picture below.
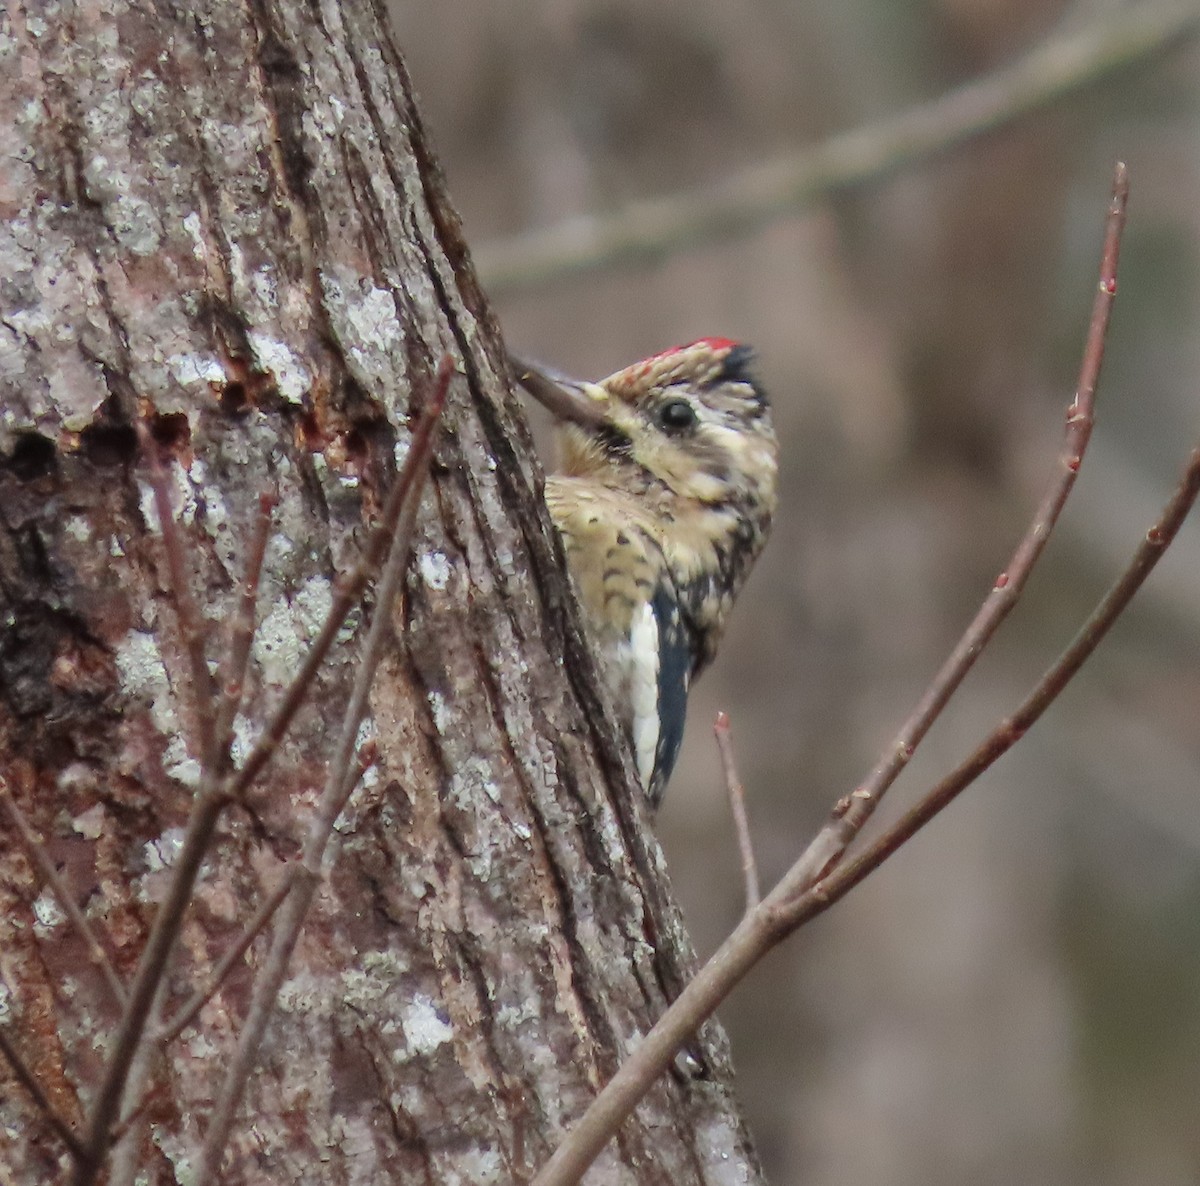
(1014, 998)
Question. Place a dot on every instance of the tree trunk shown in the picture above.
(225, 219)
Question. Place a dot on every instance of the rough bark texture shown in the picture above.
(225, 217)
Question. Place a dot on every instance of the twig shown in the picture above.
(241, 633)
(853, 812)
(1157, 539)
(340, 781)
(263, 915)
(191, 626)
(202, 823)
(127, 1121)
(796, 898)
(747, 199)
(36, 851)
(129, 1132)
(29, 1081)
(737, 803)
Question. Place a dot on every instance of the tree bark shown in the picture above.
(225, 219)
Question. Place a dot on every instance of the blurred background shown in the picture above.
(1016, 995)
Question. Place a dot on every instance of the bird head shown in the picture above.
(690, 426)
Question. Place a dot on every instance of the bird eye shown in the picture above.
(676, 415)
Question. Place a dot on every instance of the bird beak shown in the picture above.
(567, 399)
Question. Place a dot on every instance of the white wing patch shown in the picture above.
(643, 690)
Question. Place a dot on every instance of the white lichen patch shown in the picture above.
(244, 736)
(90, 823)
(191, 368)
(160, 853)
(229, 547)
(178, 1151)
(355, 1138)
(135, 224)
(12, 366)
(43, 294)
(305, 993)
(149, 508)
(480, 1167)
(520, 1009)
(505, 561)
(472, 778)
(201, 1047)
(434, 568)
(278, 359)
(374, 318)
(135, 221)
(722, 1141)
(283, 635)
(415, 884)
(324, 119)
(194, 225)
(47, 914)
(237, 263)
(78, 528)
(367, 731)
(279, 548)
(366, 321)
(440, 711)
(266, 292)
(373, 979)
(179, 764)
(144, 674)
(425, 1028)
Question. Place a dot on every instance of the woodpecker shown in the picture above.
(664, 501)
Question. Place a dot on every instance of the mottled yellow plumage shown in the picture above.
(663, 505)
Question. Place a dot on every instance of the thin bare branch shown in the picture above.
(129, 1133)
(191, 624)
(192, 1006)
(29, 1081)
(36, 851)
(128, 1120)
(854, 811)
(164, 931)
(340, 781)
(737, 804)
(241, 634)
(1159, 536)
(747, 199)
